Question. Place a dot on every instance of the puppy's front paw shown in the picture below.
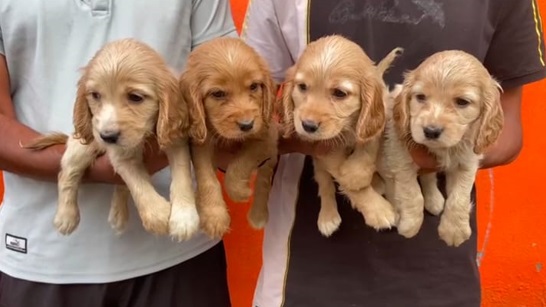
(257, 217)
(215, 220)
(237, 189)
(328, 222)
(155, 216)
(380, 214)
(434, 201)
(67, 219)
(184, 222)
(352, 178)
(454, 231)
(410, 224)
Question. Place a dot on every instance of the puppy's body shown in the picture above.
(125, 96)
(449, 104)
(335, 94)
(231, 95)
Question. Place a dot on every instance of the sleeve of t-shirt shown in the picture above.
(516, 53)
(211, 19)
(261, 30)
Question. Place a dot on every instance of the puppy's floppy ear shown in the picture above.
(401, 107)
(172, 123)
(492, 118)
(287, 103)
(268, 97)
(82, 117)
(196, 111)
(371, 120)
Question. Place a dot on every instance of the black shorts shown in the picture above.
(198, 282)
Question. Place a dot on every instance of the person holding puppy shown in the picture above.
(43, 46)
(358, 266)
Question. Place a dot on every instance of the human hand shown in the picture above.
(424, 159)
(294, 144)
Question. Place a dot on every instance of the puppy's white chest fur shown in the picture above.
(457, 157)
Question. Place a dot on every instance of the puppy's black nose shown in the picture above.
(246, 125)
(432, 132)
(110, 137)
(309, 126)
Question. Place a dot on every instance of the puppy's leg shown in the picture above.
(258, 213)
(76, 159)
(184, 220)
(352, 176)
(454, 226)
(378, 213)
(119, 210)
(409, 201)
(329, 218)
(211, 206)
(154, 209)
(239, 171)
(434, 200)
(378, 184)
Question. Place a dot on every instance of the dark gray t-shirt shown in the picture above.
(358, 266)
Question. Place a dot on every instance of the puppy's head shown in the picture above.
(450, 97)
(333, 91)
(229, 89)
(126, 94)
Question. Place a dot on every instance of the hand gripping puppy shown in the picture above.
(449, 104)
(230, 93)
(126, 95)
(334, 94)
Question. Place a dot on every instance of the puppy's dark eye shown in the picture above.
(339, 93)
(254, 86)
(218, 94)
(135, 98)
(462, 102)
(95, 95)
(421, 97)
(302, 87)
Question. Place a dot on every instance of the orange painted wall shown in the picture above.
(512, 219)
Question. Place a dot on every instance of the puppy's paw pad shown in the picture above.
(454, 233)
(329, 224)
(184, 222)
(434, 202)
(66, 221)
(215, 221)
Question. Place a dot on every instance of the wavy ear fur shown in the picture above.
(401, 110)
(492, 118)
(268, 97)
(196, 110)
(371, 120)
(82, 117)
(173, 121)
(287, 103)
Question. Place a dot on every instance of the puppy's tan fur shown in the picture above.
(127, 88)
(228, 84)
(337, 88)
(453, 92)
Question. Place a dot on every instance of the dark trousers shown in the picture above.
(198, 282)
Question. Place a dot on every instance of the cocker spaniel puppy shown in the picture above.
(230, 94)
(449, 104)
(125, 96)
(334, 94)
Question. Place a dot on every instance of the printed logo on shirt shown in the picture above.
(16, 244)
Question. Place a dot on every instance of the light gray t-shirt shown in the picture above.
(45, 44)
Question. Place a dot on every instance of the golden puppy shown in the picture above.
(125, 95)
(230, 93)
(334, 94)
(451, 105)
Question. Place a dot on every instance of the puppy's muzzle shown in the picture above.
(310, 126)
(110, 137)
(246, 125)
(432, 132)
